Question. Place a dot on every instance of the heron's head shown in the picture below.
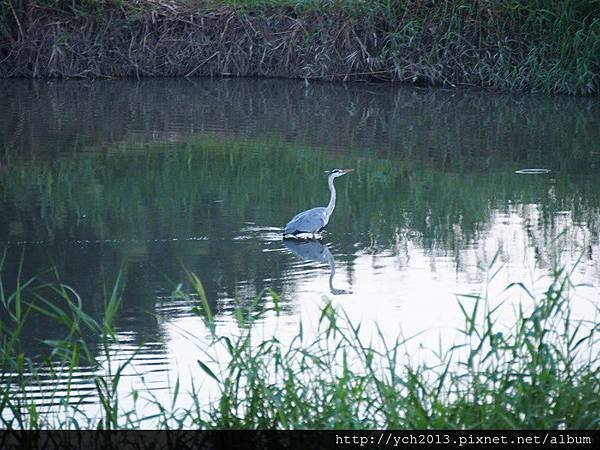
(338, 172)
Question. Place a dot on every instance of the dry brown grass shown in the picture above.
(170, 40)
(495, 44)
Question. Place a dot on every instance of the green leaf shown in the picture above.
(209, 372)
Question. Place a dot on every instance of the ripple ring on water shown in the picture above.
(532, 171)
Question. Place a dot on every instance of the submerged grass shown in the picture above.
(539, 371)
(515, 45)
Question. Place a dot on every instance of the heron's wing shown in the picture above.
(309, 221)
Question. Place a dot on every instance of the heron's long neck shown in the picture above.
(331, 205)
(331, 263)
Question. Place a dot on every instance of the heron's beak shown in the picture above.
(348, 171)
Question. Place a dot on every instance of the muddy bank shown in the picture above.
(502, 45)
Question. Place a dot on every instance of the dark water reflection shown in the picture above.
(152, 177)
(450, 129)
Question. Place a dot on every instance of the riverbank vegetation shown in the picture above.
(508, 45)
(539, 370)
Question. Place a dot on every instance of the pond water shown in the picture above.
(150, 179)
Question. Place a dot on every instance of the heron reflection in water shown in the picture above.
(314, 250)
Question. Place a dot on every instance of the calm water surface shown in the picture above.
(148, 178)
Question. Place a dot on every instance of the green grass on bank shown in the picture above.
(540, 371)
(511, 45)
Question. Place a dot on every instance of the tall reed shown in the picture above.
(539, 370)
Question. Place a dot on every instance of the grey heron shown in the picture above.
(314, 220)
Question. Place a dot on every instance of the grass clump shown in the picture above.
(510, 45)
(42, 375)
(529, 375)
(538, 371)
